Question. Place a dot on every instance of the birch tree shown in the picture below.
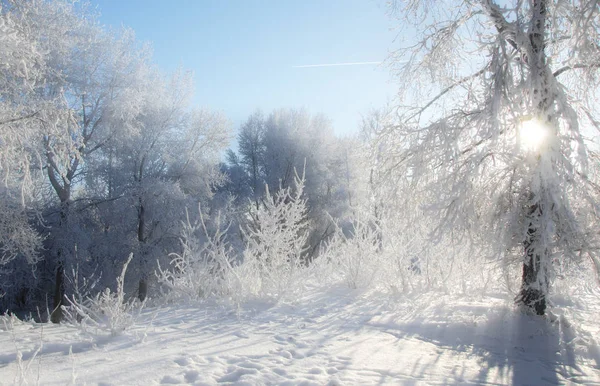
(498, 98)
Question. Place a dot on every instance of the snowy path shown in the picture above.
(327, 339)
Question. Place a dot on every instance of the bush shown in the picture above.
(106, 311)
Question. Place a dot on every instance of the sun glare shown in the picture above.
(533, 133)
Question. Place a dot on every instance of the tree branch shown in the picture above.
(18, 118)
(575, 66)
(505, 29)
(98, 202)
(445, 91)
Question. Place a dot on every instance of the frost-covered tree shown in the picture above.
(23, 111)
(101, 81)
(68, 87)
(40, 125)
(500, 97)
(96, 144)
(167, 163)
(272, 148)
(251, 147)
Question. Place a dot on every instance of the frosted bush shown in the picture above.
(276, 241)
(355, 259)
(107, 310)
(273, 258)
(204, 268)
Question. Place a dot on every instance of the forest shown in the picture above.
(104, 156)
(119, 194)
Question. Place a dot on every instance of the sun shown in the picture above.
(533, 133)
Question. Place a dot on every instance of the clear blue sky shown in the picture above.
(243, 52)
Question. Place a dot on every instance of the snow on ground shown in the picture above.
(335, 337)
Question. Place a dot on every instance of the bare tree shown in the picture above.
(497, 99)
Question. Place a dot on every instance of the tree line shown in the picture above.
(103, 155)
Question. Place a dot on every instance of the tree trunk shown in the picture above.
(143, 284)
(534, 284)
(59, 293)
(59, 285)
(142, 289)
(533, 288)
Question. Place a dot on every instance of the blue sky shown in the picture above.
(243, 52)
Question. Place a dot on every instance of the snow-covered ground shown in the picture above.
(333, 337)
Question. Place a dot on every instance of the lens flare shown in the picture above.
(533, 133)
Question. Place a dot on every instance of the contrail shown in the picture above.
(336, 64)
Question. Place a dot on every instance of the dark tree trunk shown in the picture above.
(59, 285)
(534, 280)
(533, 291)
(532, 296)
(143, 284)
(142, 289)
(59, 293)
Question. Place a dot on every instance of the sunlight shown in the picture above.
(533, 133)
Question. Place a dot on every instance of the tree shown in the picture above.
(95, 143)
(271, 149)
(166, 163)
(69, 86)
(22, 114)
(251, 145)
(496, 70)
(103, 85)
(296, 140)
(34, 113)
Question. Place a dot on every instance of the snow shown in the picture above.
(327, 337)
